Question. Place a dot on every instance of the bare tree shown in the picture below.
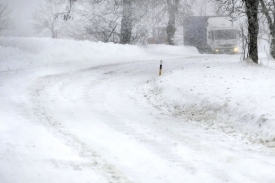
(103, 29)
(264, 32)
(244, 38)
(169, 13)
(250, 9)
(112, 21)
(96, 20)
(50, 16)
(4, 17)
(126, 22)
(171, 26)
(175, 11)
(200, 7)
(133, 22)
(268, 9)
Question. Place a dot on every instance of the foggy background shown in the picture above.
(21, 21)
(21, 18)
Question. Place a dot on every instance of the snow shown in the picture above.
(23, 53)
(77, 111)
(229, 95)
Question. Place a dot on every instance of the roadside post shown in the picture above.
(160, 68)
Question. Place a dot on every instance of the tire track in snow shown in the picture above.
(96, 92)
(96, 162)
(159, 148)
(113, 121)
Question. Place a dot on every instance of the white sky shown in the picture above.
(21, 17)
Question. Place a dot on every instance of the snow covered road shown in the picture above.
(84, 112)
(94, 125)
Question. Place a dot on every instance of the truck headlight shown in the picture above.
(217, 50)
(236, 49)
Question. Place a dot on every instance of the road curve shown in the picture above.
(101, 114)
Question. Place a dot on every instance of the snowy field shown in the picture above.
(74, 111)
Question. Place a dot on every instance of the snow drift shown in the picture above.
(232, 96)
(22, 53)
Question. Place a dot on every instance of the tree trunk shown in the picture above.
(244, 42)
(171, 27)
(126, 22)
(253, 28)
(54, 33)
(272, 45)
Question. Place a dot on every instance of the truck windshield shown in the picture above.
(225, 34)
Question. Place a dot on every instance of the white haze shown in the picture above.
(21, 25)
(22, 11)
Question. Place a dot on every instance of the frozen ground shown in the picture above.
(93, 112)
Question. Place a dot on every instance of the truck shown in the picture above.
(211, 34)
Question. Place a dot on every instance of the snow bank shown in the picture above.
(22, 53)
(234, 97)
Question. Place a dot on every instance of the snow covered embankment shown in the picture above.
(229, 96)
(24, 53)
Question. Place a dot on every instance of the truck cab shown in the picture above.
(221, 35)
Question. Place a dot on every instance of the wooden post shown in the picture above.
(160, 68)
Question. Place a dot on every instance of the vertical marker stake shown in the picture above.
(160, 68)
